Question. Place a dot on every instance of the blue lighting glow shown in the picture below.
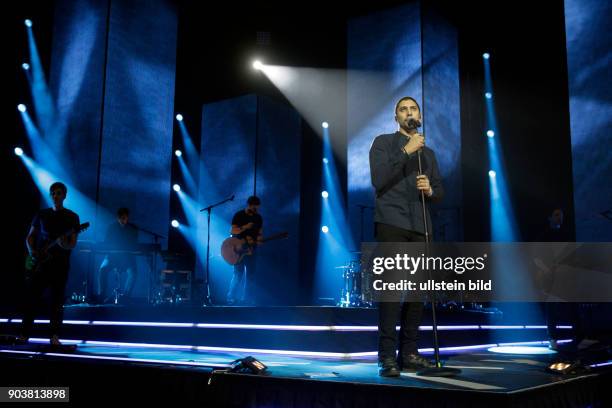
(486, 55)
(176, 188)
(178, 153)
(488, 95)
(21, 107)
(490, 133)
(25, 66)
(28, 23)
(18, 151)
(492, 173)
(325, 125)
(175, 223)
(179, 117)
(257, 65)
(333, 247)
(521, 350)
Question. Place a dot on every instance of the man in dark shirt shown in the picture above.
(47, 226)
(399, 218)
(247, 224)
(120, 236)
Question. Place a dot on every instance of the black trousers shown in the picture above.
(52, 275)
(241, 287)
(409, 313)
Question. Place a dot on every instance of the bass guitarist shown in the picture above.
(51, 224)
(247, 224)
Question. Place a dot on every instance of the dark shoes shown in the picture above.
(388, 368)
(414, 362)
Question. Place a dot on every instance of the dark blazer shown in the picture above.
(393, 172)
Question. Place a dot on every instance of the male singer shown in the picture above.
(398, 217)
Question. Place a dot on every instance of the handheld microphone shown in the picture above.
(414, 124)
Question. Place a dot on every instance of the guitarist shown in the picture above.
(247, 224)
(49, 225)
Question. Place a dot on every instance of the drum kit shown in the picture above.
(355, 290)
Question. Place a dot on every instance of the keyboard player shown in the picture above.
(121, 238)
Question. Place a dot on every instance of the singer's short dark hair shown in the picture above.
(123, 211)
(253, 200)
(405, 98)
(58, 185)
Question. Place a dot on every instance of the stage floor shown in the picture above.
(481, 370)
(316, 357)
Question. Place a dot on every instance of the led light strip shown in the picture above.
(322, 354)
(282, 327)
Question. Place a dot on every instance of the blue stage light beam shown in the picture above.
(503, 225)
(194, 230)
(41, 151)
(41, 95)
(187, 176)
(334, 237)
(189, 152)
(78, 202)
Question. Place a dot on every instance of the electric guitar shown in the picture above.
(235, 249)
(34, 264)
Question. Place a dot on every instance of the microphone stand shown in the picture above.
(438, 370)
(208, 299)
